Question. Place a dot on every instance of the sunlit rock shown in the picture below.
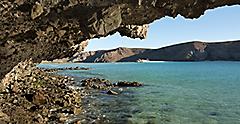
(50, 29)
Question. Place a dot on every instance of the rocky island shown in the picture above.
(39, 30)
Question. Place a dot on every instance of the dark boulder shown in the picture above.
(128, 84)
(96, 83)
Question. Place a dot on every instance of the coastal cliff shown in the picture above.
(53, 29)
(39, 30)
(113, 55)
(191, 51)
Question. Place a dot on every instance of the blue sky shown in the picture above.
(219, 24)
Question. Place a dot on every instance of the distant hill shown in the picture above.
(190, 51)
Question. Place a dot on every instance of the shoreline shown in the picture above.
(30, 94)
(140, 62)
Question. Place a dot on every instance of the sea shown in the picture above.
(173, 92)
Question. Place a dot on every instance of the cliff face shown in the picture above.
(223, 51)
(50, 29)
(113, 55)
(192, 51)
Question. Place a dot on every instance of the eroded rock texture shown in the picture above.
(49, 29)
(29, 95)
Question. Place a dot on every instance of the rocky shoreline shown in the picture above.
(32, 95)
(61, 69)
(106, 85)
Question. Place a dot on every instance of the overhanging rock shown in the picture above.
(48, 29)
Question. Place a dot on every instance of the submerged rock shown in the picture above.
(128, 84)
(213, 114)
(103, 84)
(111, 92)
(97, 83)
(30, 95)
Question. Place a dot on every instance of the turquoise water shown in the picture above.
(174, 92)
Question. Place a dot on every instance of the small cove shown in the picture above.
(174, 92)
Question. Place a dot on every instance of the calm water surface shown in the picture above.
(174, 92)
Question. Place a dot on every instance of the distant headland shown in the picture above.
(189, 51)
